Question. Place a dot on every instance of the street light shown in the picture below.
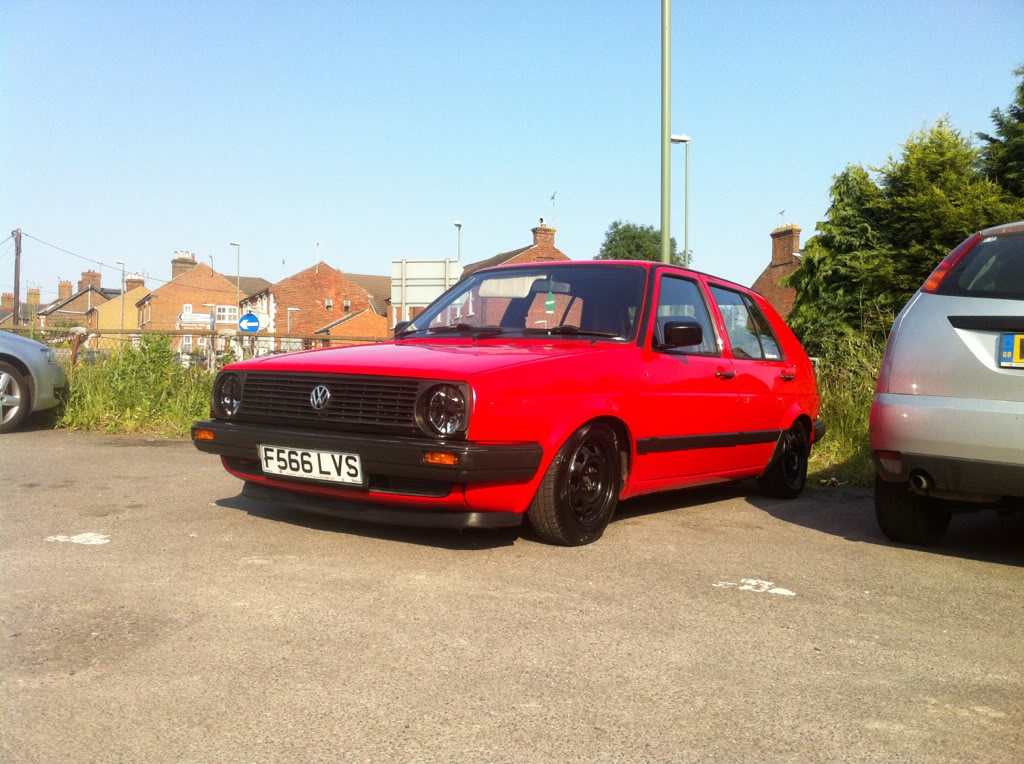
(686, 208)
(458, 225)
(121, 263)
(238, 272)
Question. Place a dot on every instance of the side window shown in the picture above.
(681, 298)
(750, 334)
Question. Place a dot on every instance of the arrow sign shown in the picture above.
(249, 323)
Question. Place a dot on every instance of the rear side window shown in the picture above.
(993, 268)
(750, 334)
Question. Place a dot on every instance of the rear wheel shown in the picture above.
(787, 471)
(907, 517)
(14, 402)
(577, 497)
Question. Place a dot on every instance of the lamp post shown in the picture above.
(458, 225)
(121, 263)
(686, 205)
(238, 272)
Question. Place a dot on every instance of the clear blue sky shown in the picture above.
(130, 130)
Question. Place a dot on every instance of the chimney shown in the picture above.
(133, 281)
(89, 279)
(33, 297)
(785, 244)
(64, 290)
(7, 301)
(183, 262)
(544, 236)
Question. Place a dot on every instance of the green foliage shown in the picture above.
(630, 241)
(1003, 153)
(847, 374)
(885, 234)
(137, 390)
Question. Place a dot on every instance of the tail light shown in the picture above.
(944, 268)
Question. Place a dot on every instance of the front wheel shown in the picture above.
(580, 490)
(14, 402)
(907, 517)
(787, 471)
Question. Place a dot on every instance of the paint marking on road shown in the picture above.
(755, 585)
(82, 538)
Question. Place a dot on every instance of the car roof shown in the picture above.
(648, 265)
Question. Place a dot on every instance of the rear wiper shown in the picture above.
(476, 331)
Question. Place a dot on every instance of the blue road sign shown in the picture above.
(249, 323)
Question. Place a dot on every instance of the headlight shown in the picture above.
(444, 410)
(227, 395)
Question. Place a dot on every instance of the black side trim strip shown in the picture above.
(717, 440)
(988, 323)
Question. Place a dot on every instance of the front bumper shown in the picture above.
(386, 461)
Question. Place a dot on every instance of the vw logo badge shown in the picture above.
(320, 397)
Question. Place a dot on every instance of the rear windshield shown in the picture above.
(993, 268)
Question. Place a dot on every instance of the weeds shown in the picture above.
(137, 390)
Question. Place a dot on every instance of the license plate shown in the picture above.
(330, 466)
(1011, 353)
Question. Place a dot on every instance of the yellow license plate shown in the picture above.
(1011, 353)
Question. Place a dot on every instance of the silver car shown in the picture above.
(31, 379)
(947, 422)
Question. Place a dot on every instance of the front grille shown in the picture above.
(358, 403)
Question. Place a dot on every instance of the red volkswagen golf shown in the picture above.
(547, 391)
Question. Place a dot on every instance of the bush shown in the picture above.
(137, 389)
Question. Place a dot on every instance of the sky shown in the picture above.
(357, 133)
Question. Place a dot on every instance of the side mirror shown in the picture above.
(400, 327)
(684, 332)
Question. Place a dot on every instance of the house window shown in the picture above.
(227, 314)
(201, 341)
(186, 342)
(186, 308)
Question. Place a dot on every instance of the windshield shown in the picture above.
(595, 301)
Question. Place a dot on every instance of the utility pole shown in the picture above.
(16, 233)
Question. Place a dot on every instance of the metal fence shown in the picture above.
(208, 349)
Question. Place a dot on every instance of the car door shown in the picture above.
(763, 375)
(690, 415)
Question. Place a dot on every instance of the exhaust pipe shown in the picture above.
(920, 482)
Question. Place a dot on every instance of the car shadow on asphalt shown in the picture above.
(985, 535)
(843, 512)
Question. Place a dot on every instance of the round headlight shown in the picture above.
(445, 410)
(227, 395)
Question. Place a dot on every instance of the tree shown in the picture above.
(885, 234)
(1003, 154)
(629, 241)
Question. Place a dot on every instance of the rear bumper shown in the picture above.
(967, 446)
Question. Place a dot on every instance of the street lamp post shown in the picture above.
(458, 225)
(121, 263)
(686, 205)
(238, 272)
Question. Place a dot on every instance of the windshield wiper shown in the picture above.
(476, 331)
(570, 329)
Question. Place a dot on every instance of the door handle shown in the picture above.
(723, 374)
(787, 376)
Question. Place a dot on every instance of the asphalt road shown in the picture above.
(151, 614)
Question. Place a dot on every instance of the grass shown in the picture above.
(142, 390)
(137, 390)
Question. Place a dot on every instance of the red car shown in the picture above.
(548, 390)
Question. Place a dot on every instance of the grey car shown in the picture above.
(947, 421)
(31, 379)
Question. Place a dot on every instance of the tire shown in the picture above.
(14, 398)
(577, 498)
(907, 517)
(786, 474)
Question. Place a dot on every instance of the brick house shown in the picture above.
(28, 312)
(187, 300)
(73, 308)
(322, 300)
(542, 250)
(785, 262)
